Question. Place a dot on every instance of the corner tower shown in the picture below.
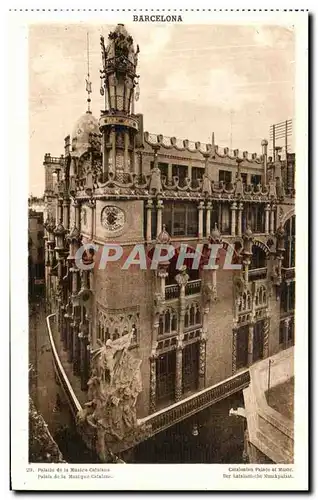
(118, 124)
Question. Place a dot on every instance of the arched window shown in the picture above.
(258, 259)
(289, 254)
(168, 322)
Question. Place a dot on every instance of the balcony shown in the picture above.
(193, 287)
(173, 291)
(257, 274)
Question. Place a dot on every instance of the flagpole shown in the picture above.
(88, 82)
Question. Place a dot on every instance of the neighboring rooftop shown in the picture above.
(281, 398)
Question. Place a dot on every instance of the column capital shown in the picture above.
(234, 205)
(159, 204)
(201, 205)
(149, 203)
(209, 205)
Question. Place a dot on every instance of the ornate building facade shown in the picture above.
(193, 333)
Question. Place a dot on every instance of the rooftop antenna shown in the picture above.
(88, 81)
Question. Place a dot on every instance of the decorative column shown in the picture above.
(126, 146)
(208, 218)
(202, 358)
(234, 349)
(169, 174)
(264, 144)
(250, 344)
(239, 219)
(178, 391)
(267, 210)
(159, 216)
(84, 356)
(266, 337)
(105, 150)
(153, 380)
(280, 248)
(92, 205)
(76, 346)
(149, 206)
(215, 239)
(247, 252)
(59, 233)
(200, 210)
(112, 167)
(272, 220)
(77, 206)
(66, 213)
(233, 218)
(182, 279)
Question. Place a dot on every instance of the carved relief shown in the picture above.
(113, 389)
(113, 218)
(115, 323)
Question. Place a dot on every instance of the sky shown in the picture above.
(234, 81)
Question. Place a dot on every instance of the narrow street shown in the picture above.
(45, 392)
(219, 438)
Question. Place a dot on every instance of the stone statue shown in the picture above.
(113, 389)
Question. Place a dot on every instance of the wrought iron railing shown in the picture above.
(197, 402)
(172, 292)
(193, 287)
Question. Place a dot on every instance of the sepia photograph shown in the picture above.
(162, 245)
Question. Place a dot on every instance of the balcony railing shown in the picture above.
(177, 412)
(193, 287)
(171, 292)
(257, 274)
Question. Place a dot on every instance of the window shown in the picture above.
(181, 219)
(242, 347)
(289, 254)
(190, 367)
(244, 178)
(192, 315)
(168, 322)
(254, 217)
(258, 259)
(225, 219)
(180, 171)
(287, 297)
(165, 377)
(256, 179)
(220, 215)
(258, 341)
(225, 176)
(197, 175)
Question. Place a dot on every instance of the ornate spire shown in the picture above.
(88, 81)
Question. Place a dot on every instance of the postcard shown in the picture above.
(159, 338)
